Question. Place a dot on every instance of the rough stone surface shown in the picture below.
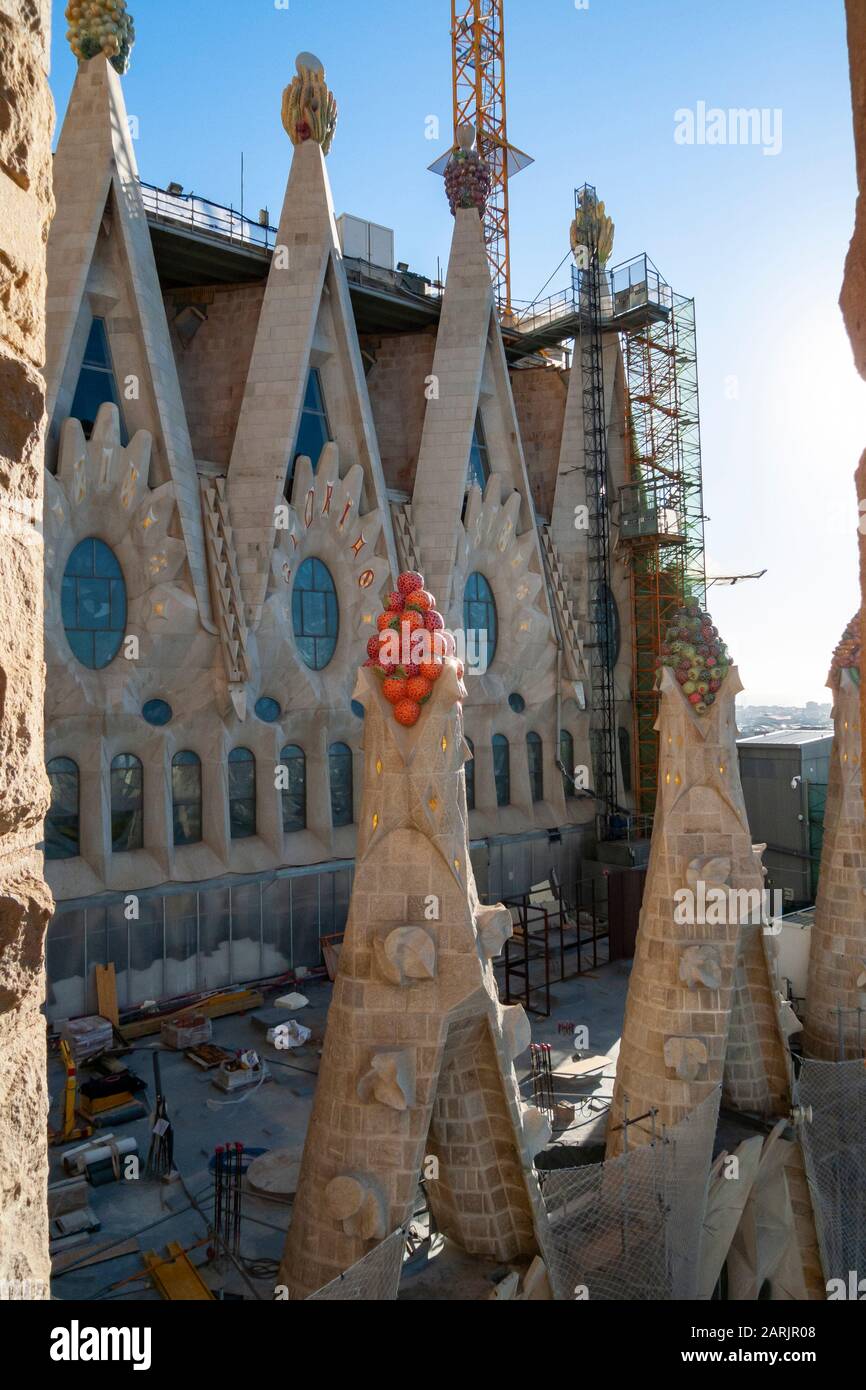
(853, 299)
(701, 1008)
(416, 1075)
(26, 206)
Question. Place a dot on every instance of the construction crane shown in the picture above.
(478, 82)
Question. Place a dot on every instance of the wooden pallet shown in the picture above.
(218, 1006)
(176, 1278)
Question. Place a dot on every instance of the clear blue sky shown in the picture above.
(758, 240)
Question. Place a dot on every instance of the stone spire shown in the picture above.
(306, 320)
(417, 1072)
(836, 989)
(96, 177)
(701, 1008)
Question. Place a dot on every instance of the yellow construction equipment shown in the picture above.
(70, 1130)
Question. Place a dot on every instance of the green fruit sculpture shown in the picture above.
(101, 26)
(695, 653)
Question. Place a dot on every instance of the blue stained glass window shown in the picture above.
(127, 802)
(502, 769)
(62, 821)
(157, 712)
(96, 382)
(469, 769)
(479, 462)
(186, 797)
(242, 793)
(315, 614)
(517, 703)
(268, 710)
(314, 432)
(294, 793)
(93, 603)
(479, 611)
(341, 776)
(535, 754)
(607, 629)
(566, 757)
(624, 739)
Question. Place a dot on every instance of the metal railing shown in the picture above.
(190, 210)
(633, 286)
(569, 923)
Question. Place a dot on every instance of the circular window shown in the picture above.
(479, 618)
(517, 703)
(93, 603)
(268, 710)
(315, 614)
(358, 709)
(156, 712)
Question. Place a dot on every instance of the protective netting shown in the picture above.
(834, 1148)
(630, 1228)
(374, 1279)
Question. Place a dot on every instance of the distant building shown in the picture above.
(784, 775)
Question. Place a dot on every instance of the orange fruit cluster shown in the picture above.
(407, 683)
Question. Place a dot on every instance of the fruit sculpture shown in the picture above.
(309, 108)
(408, 652)
(467, 177)
(101, 26)
(846, 657)
(699, 659)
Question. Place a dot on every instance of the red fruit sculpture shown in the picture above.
(409, 581)
(407, 713)
(411, 614)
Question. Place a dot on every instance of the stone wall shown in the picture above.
(213, 366)
(853, 299)
(397, 382)
(539, 399)
(26, 206)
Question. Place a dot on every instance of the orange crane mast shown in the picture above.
(478, 83)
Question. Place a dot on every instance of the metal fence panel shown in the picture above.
(834, 1149)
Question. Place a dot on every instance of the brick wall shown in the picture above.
(213, 367)
(396, 384)
(539, 398)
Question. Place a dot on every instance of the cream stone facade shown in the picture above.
(190, 474)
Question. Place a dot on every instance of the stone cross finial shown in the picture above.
(309, 108)
(101, 26)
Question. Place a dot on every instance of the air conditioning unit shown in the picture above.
(366, 241)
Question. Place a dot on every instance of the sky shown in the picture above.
(755, 231)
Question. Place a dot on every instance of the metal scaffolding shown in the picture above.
(590, 286)
(661, 506)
